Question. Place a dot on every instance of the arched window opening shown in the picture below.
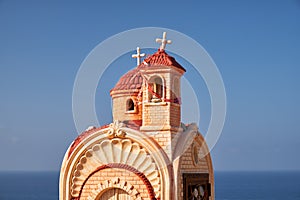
(156, 90)
(130, 105)
(158, 87)
(176, 91)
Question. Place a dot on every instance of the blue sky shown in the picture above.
(255, 45)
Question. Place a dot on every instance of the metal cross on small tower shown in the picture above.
(138, 55)
(163, 41)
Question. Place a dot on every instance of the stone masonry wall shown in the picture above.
(187, 166)
(156, 114)
(119, 109)
(175, 115)
(126, 180)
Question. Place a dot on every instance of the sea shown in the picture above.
(228, 185)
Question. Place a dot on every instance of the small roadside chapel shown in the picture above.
(146, 152)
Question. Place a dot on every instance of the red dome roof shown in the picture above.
(130, 80)
(133, 79)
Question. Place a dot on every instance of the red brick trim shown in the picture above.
(84, 135)
(126, 167)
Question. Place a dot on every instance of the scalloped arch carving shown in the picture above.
(123, 151)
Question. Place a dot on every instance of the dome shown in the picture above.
(131, 80)
(134, 80)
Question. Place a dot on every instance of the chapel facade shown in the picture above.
(146, 152)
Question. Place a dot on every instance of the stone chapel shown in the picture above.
(146, 153)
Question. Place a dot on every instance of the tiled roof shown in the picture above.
(161, 58)
(133, 79)
(130, 80)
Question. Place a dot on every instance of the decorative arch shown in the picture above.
(110, 152)
(116, 183)
(81, 154)
(130, 106)
(113, 189)
(187, 138)
(176, 96)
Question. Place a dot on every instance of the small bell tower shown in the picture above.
(161, 95)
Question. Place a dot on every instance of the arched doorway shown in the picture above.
(114, 194)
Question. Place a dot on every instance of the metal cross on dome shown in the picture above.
(138, 55)
(163, 41)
